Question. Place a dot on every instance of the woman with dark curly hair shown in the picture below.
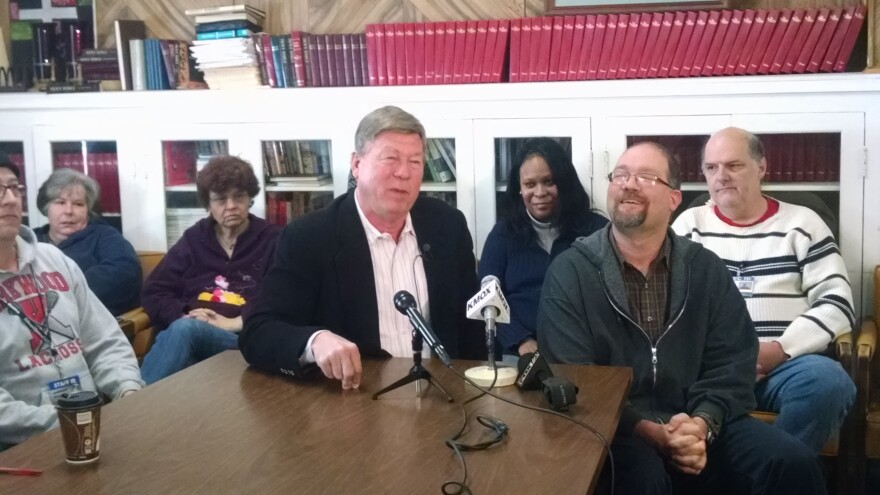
(197, 293)
(549, 210)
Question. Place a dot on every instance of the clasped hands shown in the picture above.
(682, 441)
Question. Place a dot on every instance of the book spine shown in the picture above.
(400, 42)
(849, 41)
(803, 60)
(566, 48)
(785, 46)
(595, 48)
(390, 54)
(226, 34)
(721, 37)
(706, 39)
(662, 45)
(808, 21)
(419, 55)
(580, 43)
(742, 37)
(556, 49)
(409, 53)
(779, 30)
(499, 55)
(515, 41)
(626, 49)
(478, 66)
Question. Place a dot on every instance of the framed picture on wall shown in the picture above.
(566, 7)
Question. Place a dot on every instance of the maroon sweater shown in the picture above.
(193, 264)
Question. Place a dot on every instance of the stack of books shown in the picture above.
(297, 163)
(224, 49)
(454, 52)
(683, 44)
(100, 66)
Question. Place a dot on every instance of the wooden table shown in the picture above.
(219, 427)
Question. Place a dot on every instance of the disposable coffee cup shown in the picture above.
(79, 414)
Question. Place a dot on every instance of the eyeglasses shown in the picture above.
(620, 178)
(15, 189)
(239, 197)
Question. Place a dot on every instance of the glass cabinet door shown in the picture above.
(448, 173)
(104, 153)
(682, 135)
(495, 145)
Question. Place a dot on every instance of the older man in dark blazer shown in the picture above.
(327, 298)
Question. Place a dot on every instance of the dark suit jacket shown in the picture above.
(322, 278)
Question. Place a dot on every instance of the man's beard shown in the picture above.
(627, 221)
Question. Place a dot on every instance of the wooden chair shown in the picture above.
(135, 323)
(867, 371)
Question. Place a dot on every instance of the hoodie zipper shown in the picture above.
(653, 345)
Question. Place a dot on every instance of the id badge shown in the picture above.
(746, 285)
(63, 386)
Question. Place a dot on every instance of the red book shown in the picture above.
(379, 49)
(428, 62)
(556, 49)
(834, 17)
(479, 64)
(470, 45)
(629, 43)
(580, 40)
(742, 37)
(527, 41)
(638, 54)
(440, 48)
(449, 52)
(674, 42)
(390, 54)
(821, 17)
(400, 42)
(786, 46)
(419, 55)
(566, 48)
(500, 51)
(515, 43)
(706, 41)
(779, 30)
(763, 41)
(693, 45)
(653, 49)
(849, 41)
(597, 47)
(837, 40)
(409, 50)
(808, 22)
(489, 50)
(296, 49)
(543, 61)
(718, 56)
(616, 47)
(270, 61)
(460, 37)
(607, 46)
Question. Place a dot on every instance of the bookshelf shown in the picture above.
(595, 120)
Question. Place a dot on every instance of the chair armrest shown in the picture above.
(867, 341)
(843, 348)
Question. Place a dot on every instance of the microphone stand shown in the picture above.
(416, 373)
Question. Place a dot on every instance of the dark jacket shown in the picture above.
(192, 265)
(521, 268)
(108, 261)
(705, 359)
(322, 278)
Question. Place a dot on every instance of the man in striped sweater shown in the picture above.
(786, 263)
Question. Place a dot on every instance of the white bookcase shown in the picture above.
(597, 117)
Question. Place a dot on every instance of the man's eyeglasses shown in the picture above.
(15, 189)
(643, 179)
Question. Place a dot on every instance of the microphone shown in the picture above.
(425, 251)
(535, 373)
(490, 306)
(406, 304)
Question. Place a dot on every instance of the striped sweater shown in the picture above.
(801, 296)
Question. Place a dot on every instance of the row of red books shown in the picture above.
(281, 208)
(683, 44)
(453, 52)
(103, 167)
(801, 157)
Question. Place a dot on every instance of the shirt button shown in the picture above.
(650, 318)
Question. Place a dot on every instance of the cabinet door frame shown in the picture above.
(487, 130)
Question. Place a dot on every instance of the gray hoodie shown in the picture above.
(78, 338)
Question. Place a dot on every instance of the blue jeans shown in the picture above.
(747, 457)
(811, 394)
(186, 342)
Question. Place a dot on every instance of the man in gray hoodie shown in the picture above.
(55, 335)
(636, 295)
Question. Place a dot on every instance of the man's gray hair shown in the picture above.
(388, 118)
(60, 180)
